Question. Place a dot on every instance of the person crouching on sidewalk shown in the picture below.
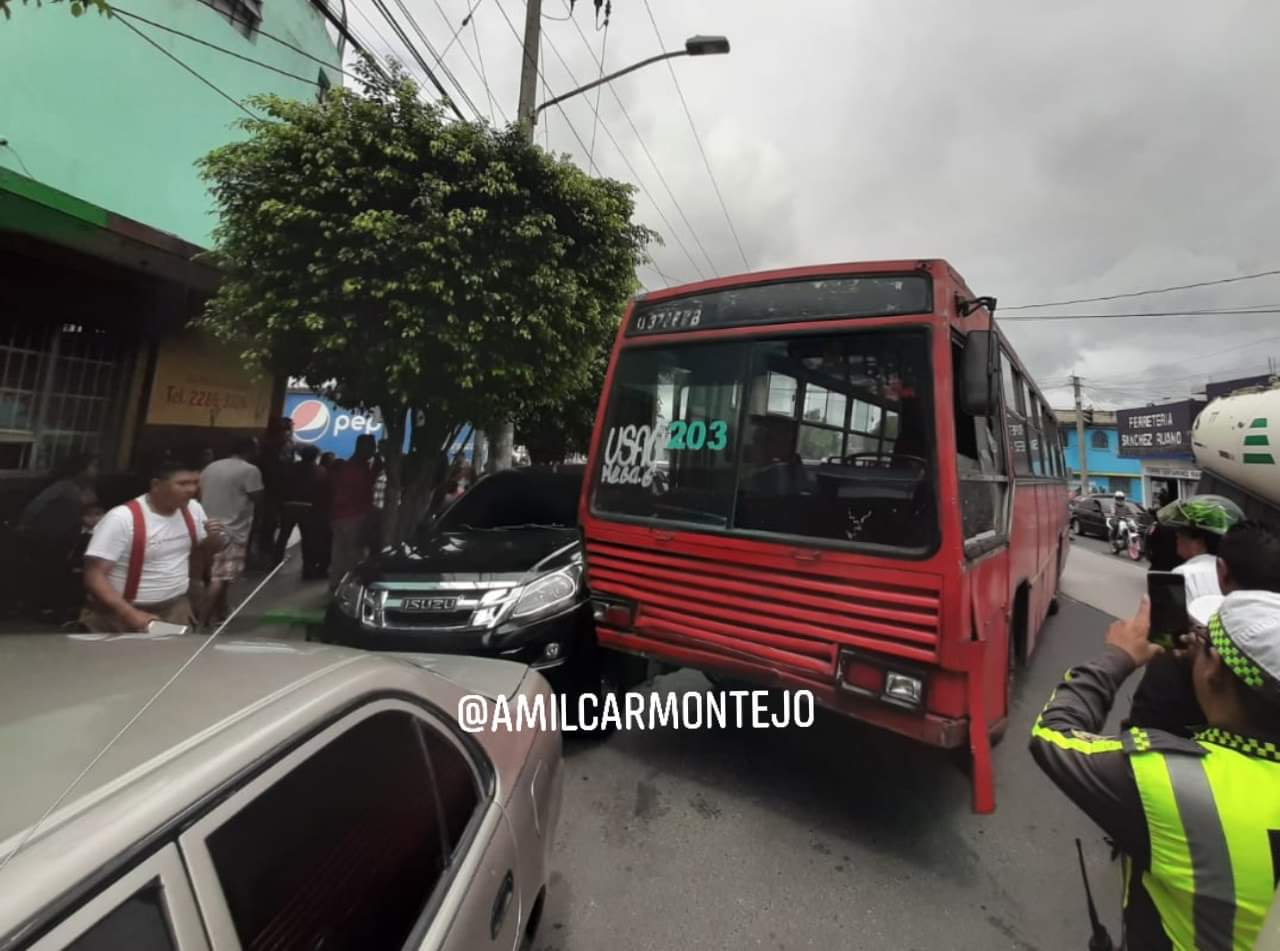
(139, 562)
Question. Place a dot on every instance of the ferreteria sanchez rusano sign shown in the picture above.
(1156, 430)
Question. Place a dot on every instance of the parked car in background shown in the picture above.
(498, 574)
(282, 795)
(1089, 515)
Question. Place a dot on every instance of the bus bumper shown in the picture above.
(950, 733)
(928, 728)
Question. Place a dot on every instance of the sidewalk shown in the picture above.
(281, 610)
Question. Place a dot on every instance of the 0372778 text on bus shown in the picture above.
(835, 478)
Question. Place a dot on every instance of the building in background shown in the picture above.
(1159, 438)
(1108, 470)
(102, 214)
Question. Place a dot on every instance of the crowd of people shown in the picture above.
(1189, 791)
(173, 553)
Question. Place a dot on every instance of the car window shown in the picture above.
(512, 499)
(149, 907)
(457, 791)
(140, 923)
(344, 850)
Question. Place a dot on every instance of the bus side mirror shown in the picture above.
(979, 374)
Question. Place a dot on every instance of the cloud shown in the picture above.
(1049, 151)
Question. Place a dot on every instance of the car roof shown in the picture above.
(63, 698)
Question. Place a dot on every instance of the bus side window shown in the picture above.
(1015, 412)
(1035, 430)
(980, 465)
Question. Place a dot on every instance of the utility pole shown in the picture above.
(1080, 447)
(502, 437)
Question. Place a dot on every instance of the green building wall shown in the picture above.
(94, 110)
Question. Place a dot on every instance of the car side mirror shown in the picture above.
(979, 374)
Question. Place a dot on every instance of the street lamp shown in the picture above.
(693, 46)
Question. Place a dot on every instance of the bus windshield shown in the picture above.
(825, 438)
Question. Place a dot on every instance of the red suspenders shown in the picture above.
(138, 548)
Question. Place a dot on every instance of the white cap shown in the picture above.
(1246, 631)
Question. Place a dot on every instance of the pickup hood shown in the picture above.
(505, 553)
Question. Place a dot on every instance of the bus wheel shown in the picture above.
(1053, 607)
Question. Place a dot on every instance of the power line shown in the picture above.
(698, 139)
(604, 43)
(4, 144)
(520, 41)
(235, 102)
(478, 70)
(404, 60)
(461, 26)
(285, 43)
(475, 34)
(417, 28)
(652, 161)
(1157, 290)
(636, 175)
(1264, 309)
(564, 115)
(396, 28)
(214, 46)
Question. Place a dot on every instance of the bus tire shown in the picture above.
(1053, 607)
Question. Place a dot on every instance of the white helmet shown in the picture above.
(1119, 496)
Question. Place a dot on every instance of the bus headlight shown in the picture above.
(902, 689)
(548, 592)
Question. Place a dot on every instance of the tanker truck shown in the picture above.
(1236, 441)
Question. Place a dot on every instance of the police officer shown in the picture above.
(1198, 820)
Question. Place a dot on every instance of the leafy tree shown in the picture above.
(77, 7)
(553, 431)
(394, 259)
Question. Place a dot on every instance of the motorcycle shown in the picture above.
(1127, 536)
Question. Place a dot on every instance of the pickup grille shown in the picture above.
(786, 618)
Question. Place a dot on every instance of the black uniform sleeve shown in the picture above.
(1093, 770)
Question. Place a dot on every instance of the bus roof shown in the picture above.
(903, 266)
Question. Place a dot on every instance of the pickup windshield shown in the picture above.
(826, 437)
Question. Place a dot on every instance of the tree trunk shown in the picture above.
(423, 473)
(501, 446)
(394, 423)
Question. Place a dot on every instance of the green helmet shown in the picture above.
(1204, 513)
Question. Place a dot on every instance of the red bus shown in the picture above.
(837, 478)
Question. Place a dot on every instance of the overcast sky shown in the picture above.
(1049, 151)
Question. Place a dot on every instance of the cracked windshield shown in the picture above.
(564, 475)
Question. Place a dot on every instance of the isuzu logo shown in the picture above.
(429, 604)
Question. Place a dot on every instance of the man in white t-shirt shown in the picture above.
(231, 492)
(134, 577)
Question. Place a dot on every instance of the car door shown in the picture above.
(1093, 519)
(366, 836)
(148, 908)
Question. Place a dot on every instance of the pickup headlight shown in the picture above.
(348, 595)
(549, 592)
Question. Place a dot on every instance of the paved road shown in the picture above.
(831, 837)
(1111, 583)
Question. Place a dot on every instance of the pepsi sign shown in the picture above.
(318, 422)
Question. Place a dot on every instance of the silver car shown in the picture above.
(275, 796)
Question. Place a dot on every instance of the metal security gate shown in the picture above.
(62, 389)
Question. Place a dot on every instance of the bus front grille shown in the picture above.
(787, 618)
